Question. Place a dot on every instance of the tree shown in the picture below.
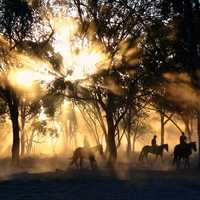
(188, 13)
(28, 110)
(17, 19)
(113, 27)
(133, 124)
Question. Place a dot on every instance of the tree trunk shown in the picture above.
(189, 36)
(198, 133)
(22, 142)
(187, 128)
(191, 127)
(30, 143)
(128, 150)
(112, 149)
(23, 118)
(14, 114)
(134, 140)
(106, 149)
(129, 133)
(162, 129)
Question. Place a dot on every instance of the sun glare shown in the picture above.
(86, 63)
(82, 57)
(23, 78)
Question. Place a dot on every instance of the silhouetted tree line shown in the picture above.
(149, 43)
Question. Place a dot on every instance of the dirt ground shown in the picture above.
(53, 179)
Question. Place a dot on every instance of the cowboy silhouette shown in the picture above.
(154, 142)
(183, 139)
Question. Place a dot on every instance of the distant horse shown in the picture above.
(158, 151)
(82, 153)
(183, 152)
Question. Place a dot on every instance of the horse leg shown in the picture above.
(146, 156)
(187, 163)
(141, 156)
(177, 164)
(178, 160)
(75, 161)
(77, 158)
(174, 160)
(161, 157)
(78, 162)
(81, 162)
(93, 162)
(72, 162)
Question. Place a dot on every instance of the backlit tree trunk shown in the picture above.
(129, 133)
(187, 127)
(128, 150)
(198, 133)
(23, 120)
(134, 140)
(112, 149)
(23, 139)
(14, 114)
(162, 128)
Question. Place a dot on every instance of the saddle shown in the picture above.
(154, 148)
(183, 145)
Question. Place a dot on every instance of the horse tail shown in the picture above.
(141, 155)
(72, 161)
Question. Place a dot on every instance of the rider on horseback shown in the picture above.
(183, 140)
(154, 143)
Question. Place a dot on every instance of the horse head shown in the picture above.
(166, 147)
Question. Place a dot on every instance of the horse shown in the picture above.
(158, 151)
(82, 153)
(183, 152)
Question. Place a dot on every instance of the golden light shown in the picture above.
(87, 63)
(65, 29)
(42, 115)
(22, 78)
(81, 56)
(28, 83)
(24, 82)
(26, 73)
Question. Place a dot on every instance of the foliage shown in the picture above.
(16, 19)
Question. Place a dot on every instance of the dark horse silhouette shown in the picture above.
(82, 153)
(158, 151)
(183, 152)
